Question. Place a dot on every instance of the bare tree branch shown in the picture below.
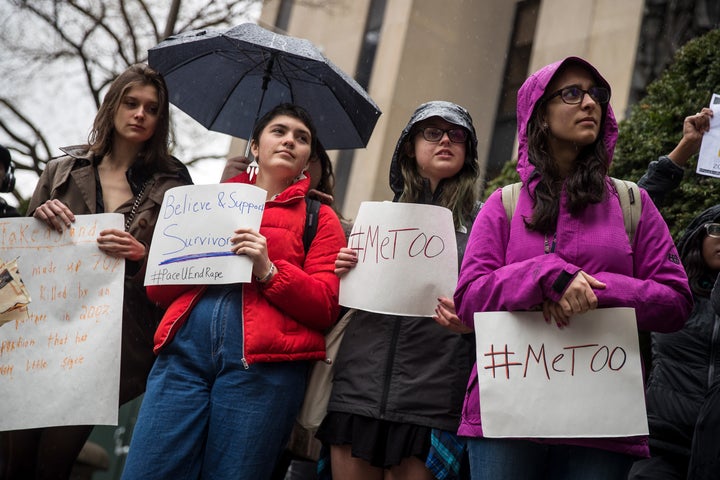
(171, 19)
(65, 53)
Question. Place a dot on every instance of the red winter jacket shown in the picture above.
(284, 319)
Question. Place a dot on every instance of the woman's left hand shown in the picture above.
(121, 244)
(247, 241)
(445, 315)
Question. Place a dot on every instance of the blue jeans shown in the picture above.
(512, 459)
(204, 415)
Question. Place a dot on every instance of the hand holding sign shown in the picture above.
(709, 157)
(406, 259)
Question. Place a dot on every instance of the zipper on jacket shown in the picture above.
(388, 367)
(244, 361)
(713, 351)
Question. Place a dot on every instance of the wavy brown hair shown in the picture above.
(155, 152)
(458, 193)
(585, 185)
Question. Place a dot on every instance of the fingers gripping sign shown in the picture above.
(118, 243)
(56, 214)
(247, 241)
(347, 259)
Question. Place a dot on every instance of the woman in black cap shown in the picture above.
(400, 380)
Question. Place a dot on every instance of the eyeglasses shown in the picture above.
(434, 134)
(575, 95)
(713, 230)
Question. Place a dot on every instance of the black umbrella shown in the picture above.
(227, 79)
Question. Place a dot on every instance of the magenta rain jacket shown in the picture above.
(505, 267)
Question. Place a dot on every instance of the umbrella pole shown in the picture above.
(253, 167)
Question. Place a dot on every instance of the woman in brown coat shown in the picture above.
(125, 168)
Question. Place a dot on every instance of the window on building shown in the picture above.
(363, 71)
(282, 21)
(516, 67)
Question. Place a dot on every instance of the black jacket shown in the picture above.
(682, 390)
(403, 369)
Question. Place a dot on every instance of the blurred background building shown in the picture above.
(477, 53)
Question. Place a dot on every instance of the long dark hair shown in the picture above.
(155, 152)
(326, 184)
(585, 185)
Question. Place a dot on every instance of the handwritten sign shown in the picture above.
(709, 156)
(60, 357)
(537, 380)
(191, 242)
(407, 258)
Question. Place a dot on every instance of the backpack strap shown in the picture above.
(510, 194)
(629, 196)
(311, 221)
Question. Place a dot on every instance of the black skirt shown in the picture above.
(382, 443)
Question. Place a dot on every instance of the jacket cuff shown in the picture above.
(668, 167)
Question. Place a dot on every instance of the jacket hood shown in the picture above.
(711, 215)
(530, 94)
(448, 111)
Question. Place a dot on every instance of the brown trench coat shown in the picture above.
(72, 180)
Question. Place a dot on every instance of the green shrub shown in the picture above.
(654, 127)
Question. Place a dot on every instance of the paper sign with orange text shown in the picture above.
(192, 239)
(407, 258)
(538, 380)
(60, 352)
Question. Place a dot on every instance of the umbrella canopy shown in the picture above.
(227, 79)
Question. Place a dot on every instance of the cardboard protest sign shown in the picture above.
(709, 156)
(191, 242)
(537, 380)
(407, 258)
(60, 351)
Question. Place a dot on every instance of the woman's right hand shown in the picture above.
(346, 259)
(579, 297)
(56, 214)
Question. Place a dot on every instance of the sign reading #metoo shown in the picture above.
(407, 258)
(191, 243)
(537, 380)
(60, 353)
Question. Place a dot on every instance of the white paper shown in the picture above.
(537, 380)
(191, 242)
(407, 258)
(60, 359)
(709, 156)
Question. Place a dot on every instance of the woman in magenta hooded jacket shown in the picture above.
(568, 230)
